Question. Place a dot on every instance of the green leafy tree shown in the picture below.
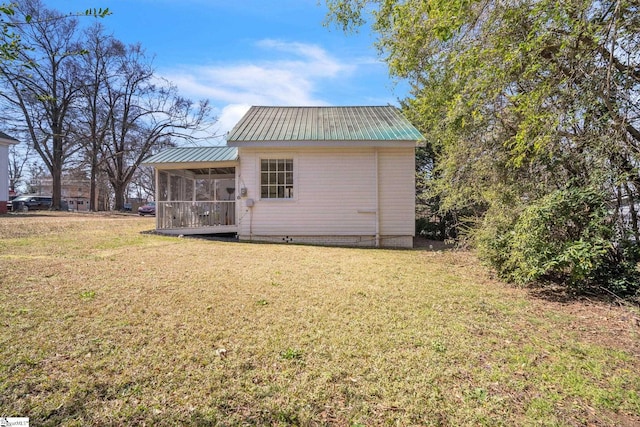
(521, 101)
(10, 46)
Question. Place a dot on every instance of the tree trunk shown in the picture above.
(56, 195)
(92, 190)
(119, 192)
(94, 172)
(56, 173)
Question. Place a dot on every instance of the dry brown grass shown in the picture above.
(105, 325)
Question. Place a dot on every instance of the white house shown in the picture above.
(321, 175)
(5, 142)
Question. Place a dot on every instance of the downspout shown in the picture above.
(377, 184)
(168, 222)
(250, 223)
(238, 201)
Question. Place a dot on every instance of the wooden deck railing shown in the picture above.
(190, 214)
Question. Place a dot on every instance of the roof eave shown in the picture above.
(325, 144)
(7, 141)
(193, 165)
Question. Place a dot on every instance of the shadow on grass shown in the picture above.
(16, 215)
(420, 243)
(63, 214)
(77, 410)
(219, 237)
(554, 292)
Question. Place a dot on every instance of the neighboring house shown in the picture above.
(5, 142)
(75, 190)
(321, 175)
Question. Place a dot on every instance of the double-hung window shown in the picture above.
(276, 178)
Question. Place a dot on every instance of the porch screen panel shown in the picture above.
(204, 189)
(163, 186)
(177, 189)
(188, 189)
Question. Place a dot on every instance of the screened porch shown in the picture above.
(196, 201)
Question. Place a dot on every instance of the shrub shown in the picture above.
(619, 273)
(430, 229)
(441, 226)
(566, 237)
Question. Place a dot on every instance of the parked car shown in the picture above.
(148, 209)
(10, 202)
(30, 203)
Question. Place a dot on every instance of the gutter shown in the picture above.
(377, 198)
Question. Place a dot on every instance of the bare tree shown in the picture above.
(36, 173)
(97, 67)
(143, 182)
(45, 93)
(18, 158)
(145, 112)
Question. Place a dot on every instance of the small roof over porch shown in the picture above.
(195, 189)
(194, 158)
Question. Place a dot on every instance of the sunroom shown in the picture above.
(195, 190)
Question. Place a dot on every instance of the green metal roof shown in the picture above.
(193, 155)
(272, 124)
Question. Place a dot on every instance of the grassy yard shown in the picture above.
(104, 325)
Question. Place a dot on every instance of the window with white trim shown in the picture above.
(276, 178)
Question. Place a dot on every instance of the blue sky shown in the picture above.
(238, 53)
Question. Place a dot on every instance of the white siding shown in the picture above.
(330, 188)
(397, 191)
(334, 193)
(4, 172)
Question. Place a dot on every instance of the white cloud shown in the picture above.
(231, 114)
(292, 77)
(317, 63)
(251, 84)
